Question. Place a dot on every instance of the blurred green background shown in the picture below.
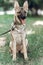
(35, 41)
(34, 5)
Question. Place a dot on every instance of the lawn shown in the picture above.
(35, 41)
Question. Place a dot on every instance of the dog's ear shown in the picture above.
(16, 6)
(25, 6)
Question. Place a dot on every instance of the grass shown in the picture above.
(35, 48)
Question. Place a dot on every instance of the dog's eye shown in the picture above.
(24, 11)
(19, 12)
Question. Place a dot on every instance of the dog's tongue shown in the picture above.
(23, 21)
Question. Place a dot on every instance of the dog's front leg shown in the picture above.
(14, 49)
(13, 45)
(24, 48)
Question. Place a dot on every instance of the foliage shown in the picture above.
(32, 4)
(5, 4)
(36, 3)
(1, 2)
(21, 2)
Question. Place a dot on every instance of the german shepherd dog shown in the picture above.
(19, 41)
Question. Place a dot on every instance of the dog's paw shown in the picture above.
(14, 59)
(26, 58)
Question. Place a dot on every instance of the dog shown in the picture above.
(18, 35)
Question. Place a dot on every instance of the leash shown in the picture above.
(7, 31)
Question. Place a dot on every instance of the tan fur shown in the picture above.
(18, 41)
(25, 6)
(16, 6)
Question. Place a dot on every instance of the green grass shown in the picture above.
(35, 54)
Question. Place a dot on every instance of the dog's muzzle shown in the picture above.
(22, 19)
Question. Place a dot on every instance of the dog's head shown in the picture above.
(21, 12)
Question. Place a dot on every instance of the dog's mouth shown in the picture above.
(23, 21)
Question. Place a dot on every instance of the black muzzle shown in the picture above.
(21, 17)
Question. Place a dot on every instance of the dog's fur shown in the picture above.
(19, 41)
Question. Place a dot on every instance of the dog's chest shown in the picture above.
(19, 33)
(18, 38)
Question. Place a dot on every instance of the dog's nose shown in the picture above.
(23, 16)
